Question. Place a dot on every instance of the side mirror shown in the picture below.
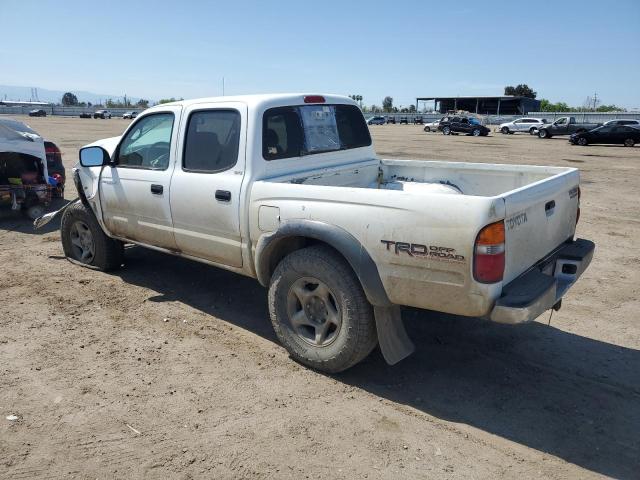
(94, 157)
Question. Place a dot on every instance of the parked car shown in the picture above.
(528, 124)
(37, 113)
(629, 123)
(432, 126)
(608, 134)
(130, 115)
(391, 119)
(376, 121)
(102, 114)
(404, 120)
(466, 125)
(24, 179)
(85, 115)
(335, 283)
(55, 168)
(418, 120)
(564, 126)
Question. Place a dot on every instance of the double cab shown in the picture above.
(288, 189)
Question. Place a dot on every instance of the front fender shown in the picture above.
(349, 247)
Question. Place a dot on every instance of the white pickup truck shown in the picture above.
(288, 189)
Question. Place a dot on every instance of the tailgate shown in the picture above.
(539, 217)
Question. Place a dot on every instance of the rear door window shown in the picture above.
(211, 144)
(296, 131)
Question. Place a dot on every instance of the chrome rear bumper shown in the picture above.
(539, 289)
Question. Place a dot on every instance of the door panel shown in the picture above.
(206, 184)
(134, 191)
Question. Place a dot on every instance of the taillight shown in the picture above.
(52, 152)
(488, 265)
(314, 99)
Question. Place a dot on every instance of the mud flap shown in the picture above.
(392, 337)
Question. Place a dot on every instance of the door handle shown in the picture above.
(549, 206)
(156, 189)
(223, 195)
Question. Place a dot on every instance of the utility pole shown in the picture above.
(595, 100)
(223, 86)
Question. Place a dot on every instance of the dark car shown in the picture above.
(55, 166)
(607, 134)
(391, 120)
(377, 120)
(85, 115)
(466, 125)
(418, 120)
(37, 113)
(404, 120)
(565, 126)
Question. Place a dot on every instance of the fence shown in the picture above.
(65, 111)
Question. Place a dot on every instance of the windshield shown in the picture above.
(308, 129)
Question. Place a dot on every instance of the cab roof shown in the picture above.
(266, 100)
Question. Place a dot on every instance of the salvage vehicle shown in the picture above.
(418, 120)
(85, 115)
(607, 134)
(24, 178)
(466, 125)
(528, 124)
(391, 119)
(404, 120)
(288, 189)
(628, 123)
(131, 115)
(564, 126)
(102, 114)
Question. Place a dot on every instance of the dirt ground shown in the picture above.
(170, 369)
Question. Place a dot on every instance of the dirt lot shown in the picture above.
(170, 369)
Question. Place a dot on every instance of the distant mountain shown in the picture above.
(8, 92)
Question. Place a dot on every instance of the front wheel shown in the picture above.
(319, 310)
(427, 129)
(476, 132)
(543, 134)
(84, 242)
(629, 142)
(583, 142)
(504, 130)
(446, 130)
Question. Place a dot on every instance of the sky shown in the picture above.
(564, 50)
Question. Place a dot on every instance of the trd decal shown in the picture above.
(516, 221)
(418, 250)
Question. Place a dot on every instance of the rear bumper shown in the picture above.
(529, 295)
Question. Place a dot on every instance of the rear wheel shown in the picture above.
(84, 242)
(629, 142)
(533, 130)
(319, 310)
(504, 130)
(446, 130)
(476, 132)
(427, 129)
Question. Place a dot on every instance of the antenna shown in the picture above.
(223, 86)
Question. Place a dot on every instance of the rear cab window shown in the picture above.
(295, 131)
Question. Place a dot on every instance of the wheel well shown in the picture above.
(288, 245)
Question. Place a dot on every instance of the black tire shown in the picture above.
(533, 130)
(583, 142)
(446, 131)
(543, 133)
(629, 142)
(34, 211)
(427, 129)
(504, 130)
(476, 132)
(107, 252)
(352, 340)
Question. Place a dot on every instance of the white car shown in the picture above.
(288, 189)
(432, 126)
(526, 124)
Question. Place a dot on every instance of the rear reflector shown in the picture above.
(314, 99)
(488, 264)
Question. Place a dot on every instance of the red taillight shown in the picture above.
(488, 265)
(314, 99)
(52, 152)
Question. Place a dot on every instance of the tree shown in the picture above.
(69, 99)
(142, 103)
(521, 90)
(168, 100)
(387, 104)
(412, 108)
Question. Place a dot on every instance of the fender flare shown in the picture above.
(346, 244)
